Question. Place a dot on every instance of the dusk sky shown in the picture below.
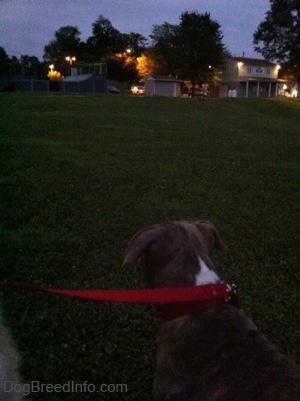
(26, 26)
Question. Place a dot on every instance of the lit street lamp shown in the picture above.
(70, 59)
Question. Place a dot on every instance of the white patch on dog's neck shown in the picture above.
(205, 275)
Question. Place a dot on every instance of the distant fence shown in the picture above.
(8, 81)
(32, 85)
(95, 83)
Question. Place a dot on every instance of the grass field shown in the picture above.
(81, 174)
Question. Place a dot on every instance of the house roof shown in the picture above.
(165, 78)
(77, 78)
(253, 61)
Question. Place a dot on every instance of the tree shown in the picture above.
(191, 48)
(136, 42)
(164, 39)
(15, 67)
(25, 65)
(121, 67)
(277, 38)
(201, 46)
(105, 40)
(150, 63)
(66, 42)
(30, 65)
(4, 61)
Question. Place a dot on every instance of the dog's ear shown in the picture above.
(210, 235)
(139, 244)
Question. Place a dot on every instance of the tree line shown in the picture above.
(192, 50)
(188, 50)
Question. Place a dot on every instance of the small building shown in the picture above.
(88, 77)
(248, 77)
(83, 83)
(163, 85)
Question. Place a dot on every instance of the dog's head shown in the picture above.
(175, 254)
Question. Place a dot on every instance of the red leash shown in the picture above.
(219, 291)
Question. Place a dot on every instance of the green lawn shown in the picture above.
(81, 174)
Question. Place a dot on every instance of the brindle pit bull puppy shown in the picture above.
(216, 354)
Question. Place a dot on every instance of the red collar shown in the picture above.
(213, 295)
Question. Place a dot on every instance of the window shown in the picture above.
(249, 70)
(267, 71)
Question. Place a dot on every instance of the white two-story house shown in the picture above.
(249, 77)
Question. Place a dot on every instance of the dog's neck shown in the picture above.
(205, 274)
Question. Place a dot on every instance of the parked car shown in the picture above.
(138, 90)
(113, 89)
(199, 92)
